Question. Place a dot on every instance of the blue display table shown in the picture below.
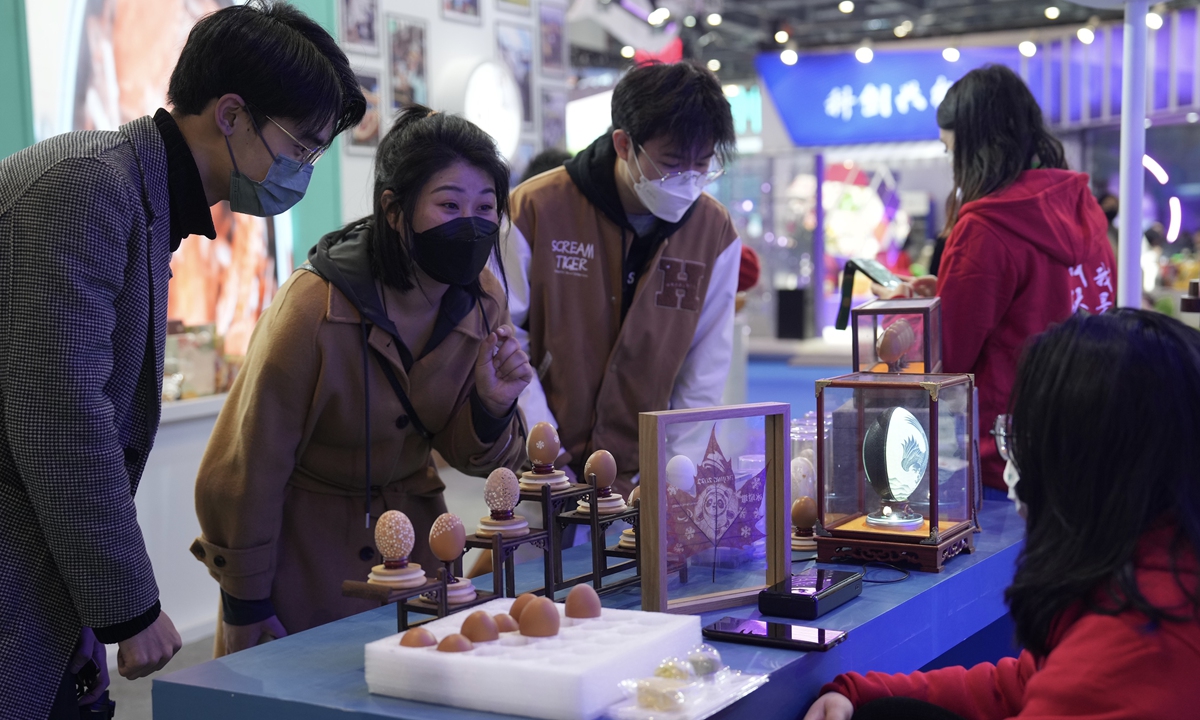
(892, 628)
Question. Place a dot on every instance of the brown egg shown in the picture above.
(480, 627)
(583, 602)
(502, 490)
(543, 444)
(519, 605)
(394, 535)
(635, 497)
(603, 466)
(540, 618)
(447, 537)
(505, 623)
(418, 638)
(455, 643)
(895, 341)
(804, 512)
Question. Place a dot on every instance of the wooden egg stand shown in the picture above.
(599, 509)
(502, 532)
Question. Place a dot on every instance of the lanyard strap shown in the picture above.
(394, 381)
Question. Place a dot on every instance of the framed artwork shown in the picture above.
(553, 23)
(466, 11)
(715, 505)
(514, 45)
(364, 137)
(358, 18)
(554, 119)
(515, 6)
(407, 54)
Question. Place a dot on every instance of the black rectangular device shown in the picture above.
(771, 634)
(872, 269)
(810, 594)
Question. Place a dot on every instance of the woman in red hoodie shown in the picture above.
(1106, 596)
(1028, 244)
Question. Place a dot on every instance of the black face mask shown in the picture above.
(454, 253)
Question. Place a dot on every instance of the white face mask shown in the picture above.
(670, 198)
(1011, 478)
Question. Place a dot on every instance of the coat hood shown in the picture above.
(1053, 210)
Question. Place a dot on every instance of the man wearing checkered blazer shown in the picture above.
(88, 222)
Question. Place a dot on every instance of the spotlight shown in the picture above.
(846, 6)
(714, 19)
(782, 36)
(689, 21)
(1154, 21)
(1193, 117)
(1052, 13)
(788, 57)
(731, 90)
(628, 52)
(864, 54)
(1086, 35)
(903, 29)
(1028, 49)
(714, 65)
(951, 54)
(659, 16)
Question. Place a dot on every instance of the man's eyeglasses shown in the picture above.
(1002, 431)
(701, 179)
(309, 156)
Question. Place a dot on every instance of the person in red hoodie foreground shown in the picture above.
(1028, 243)
(1106, 596)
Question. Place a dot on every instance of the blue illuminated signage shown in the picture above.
(833, 99)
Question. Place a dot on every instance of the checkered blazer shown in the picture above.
(84, 266)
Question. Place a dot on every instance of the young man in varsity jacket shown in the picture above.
(88, 222)
(622, 272)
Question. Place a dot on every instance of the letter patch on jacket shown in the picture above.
(680, 284)
(571, 258)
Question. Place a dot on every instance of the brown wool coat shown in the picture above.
(281, 488)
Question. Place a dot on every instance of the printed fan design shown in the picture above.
(720, 514)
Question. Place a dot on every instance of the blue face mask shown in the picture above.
(282, 188)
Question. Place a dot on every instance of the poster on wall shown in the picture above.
(514, 44)
(406, 63)
(553, 32)
(461, 11)
(358, 26)
(554, 119)
(515, 6)
(110, 66)
(364, 137)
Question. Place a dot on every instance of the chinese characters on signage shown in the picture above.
(878, 101)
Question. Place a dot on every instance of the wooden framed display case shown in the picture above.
(897, 468)
(714, 526)
(898, 336)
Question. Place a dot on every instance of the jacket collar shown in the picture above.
(147, 142)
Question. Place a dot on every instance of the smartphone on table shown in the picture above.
(773, 634)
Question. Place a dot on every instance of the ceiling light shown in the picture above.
(1153, 20)
(690, 21)
(788, 57)
(659, 16)
(864, 54)
(1086, 35)
(714, 65)
(714, 19)
(900, 31)
(1193, 117)
(782, 36)
(951, 54)
(846, 6)
(1027, 48)
(628, 52)
(1052, 13)
(731, 90)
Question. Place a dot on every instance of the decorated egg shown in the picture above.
(895, 342)
(803, 476)
(480, 627)
(540, 618)
(447, 537)
(455, 643)
(505, 623)
(543, 444)
(804, 512)
(418, 638)
(604, 466)
(635, 497)
(681, 472)
(502, 491)
(394, 535)
(895, 454)
(583, 602)
(519, 605)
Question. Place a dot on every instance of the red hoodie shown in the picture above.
(1100, 667)
(1016, 262)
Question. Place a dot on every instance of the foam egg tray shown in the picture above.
(573, 676)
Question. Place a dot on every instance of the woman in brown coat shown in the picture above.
(402, 299)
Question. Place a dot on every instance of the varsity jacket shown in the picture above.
(605, 352)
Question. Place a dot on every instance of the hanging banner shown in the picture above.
(833, 99)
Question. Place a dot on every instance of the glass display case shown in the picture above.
(898, 336)
(897, 477)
